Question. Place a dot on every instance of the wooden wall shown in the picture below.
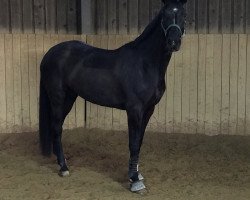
(117, 16)
(203, 16)
(208, 90)
(39, 16)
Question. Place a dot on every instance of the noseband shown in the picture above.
(171, 25)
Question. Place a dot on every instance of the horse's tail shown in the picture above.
(44, 122)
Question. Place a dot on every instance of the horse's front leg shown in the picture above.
(138, 118)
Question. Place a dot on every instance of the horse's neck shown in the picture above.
(152, 44)
(152, 36)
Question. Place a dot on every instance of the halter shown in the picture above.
(172, 25)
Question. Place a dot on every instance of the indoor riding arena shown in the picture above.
(197, 142)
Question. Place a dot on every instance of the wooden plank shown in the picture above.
(155, 6)
(247, 16)
(33, 82)
(201, 84)
(4, 17)
(217, 82)
(143, 14)
(15, 16)
(133, 16)
(46, 43)
(9, 83)
(3, 100)
(248, 88)
(233, 84)
(239, 16)
(242, 85)
(209, 85)
(88, 16)
(170, 96)
(185, 118)
(27, 12)
(226, 16)
(193, 87)
(112, 17)
(123, 16)
(50, 16)
(177, 91)
(80, 103)
(62, 17)
(102, 25)
(17, 84)
(214, 7)
(39, 55)
(191, 16)
(25, 83)
(202, 16)
(71, 17)
(225, 80)
(39, 16)
(56, 39)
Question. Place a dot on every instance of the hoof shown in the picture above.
(63, 173)
(142, 192)
(137, 187)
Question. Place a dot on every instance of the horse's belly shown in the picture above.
(100, 88)
(104, 98)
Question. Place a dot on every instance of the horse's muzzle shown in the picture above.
(174, 45)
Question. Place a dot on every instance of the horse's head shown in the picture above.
(173, 23)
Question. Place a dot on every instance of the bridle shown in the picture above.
(165, 30)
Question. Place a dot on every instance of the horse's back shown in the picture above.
(59, 53)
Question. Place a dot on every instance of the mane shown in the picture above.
(149, 28)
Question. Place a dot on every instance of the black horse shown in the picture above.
(130, 78)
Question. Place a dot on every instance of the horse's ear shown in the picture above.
(164, 1)
(183, 1)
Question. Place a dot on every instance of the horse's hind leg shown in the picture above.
(60, 109)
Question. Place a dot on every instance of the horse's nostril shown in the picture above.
(172, 43)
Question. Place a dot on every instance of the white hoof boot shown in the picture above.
(137, 186)
(140, 177)
(63, 173)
